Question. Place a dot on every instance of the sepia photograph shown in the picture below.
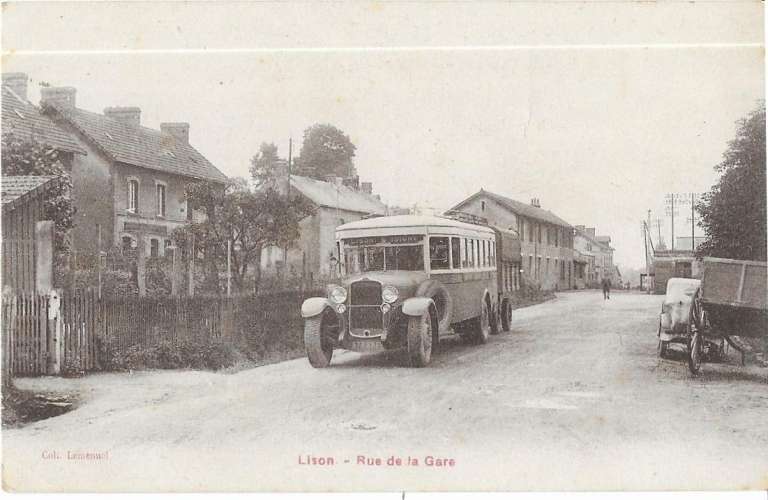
(383, 246)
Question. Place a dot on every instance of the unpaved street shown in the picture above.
(573, 398)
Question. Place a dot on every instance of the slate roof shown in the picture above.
(518, 207)
(140, 146)
(13, 188)
(326, 194)
(27, 121)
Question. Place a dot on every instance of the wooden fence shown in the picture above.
(41, 336)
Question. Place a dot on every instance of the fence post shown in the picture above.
(54, 333)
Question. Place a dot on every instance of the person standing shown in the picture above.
(606, 289)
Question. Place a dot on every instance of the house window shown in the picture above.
(482, 206)
(154, 247)
(160, 199)
(133, 196)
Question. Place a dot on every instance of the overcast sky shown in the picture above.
(599, 132)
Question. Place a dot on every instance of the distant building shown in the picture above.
(675, 263)
(314, 256)
(546, 239)
(131, 182)
(598, 253)
(684, 242)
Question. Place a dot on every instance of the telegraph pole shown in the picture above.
(672, 243)
(693, 224)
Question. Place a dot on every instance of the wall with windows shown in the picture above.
(311, 257)
(154, 210)
(547, 249)
(91, 189)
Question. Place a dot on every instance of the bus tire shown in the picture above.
(443, 302)
(318, 347)
(506, 316)
(481, 326)
(419, 340)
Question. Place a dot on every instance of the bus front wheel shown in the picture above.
(419, 340)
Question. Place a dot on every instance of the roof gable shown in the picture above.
(26, 121)
(518, 207)
(326, 194)
(140, 146)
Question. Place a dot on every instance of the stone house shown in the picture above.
(546, 240)
(129, 187)
(337, 201)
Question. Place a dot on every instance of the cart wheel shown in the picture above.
(662, 348)
(694, 354)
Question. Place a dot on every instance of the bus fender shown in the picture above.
(416, 306)
(314, 306)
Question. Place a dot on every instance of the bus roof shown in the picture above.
(410, 221)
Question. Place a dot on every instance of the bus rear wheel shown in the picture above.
(481, 326)
(506, 316)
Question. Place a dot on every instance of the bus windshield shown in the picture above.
(360, 259)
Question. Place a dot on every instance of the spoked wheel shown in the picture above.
(419, 340)
(319, 333)
(695, 353)
(696, 336)
(661, 349)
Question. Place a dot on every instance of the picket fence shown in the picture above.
(41, 337)
(37, 342)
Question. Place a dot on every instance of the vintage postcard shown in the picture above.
(383, 246)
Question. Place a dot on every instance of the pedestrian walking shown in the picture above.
(606, 289)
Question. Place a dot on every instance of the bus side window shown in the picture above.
(456, 253)
(464, 253)
(438, 253)
(475, 254)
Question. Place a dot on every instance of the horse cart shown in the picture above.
(731, 302)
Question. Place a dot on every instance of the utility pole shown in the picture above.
(672, 243)
(229, 268)
(98, 229)
(693, 224)
(191, 268)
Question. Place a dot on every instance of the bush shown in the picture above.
(168, 355)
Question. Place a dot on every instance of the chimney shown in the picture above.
(366, 187)
(63, 97)
(591, 232)
(535, 202)
(179, 130)
(17, 82)
(130, 115)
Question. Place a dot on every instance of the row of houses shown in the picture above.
(129, 180)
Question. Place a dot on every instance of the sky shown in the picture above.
(597, 123)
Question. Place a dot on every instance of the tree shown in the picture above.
(265, 165)
(249, 220)
(325, 151)
(30, 157)
(733, 212)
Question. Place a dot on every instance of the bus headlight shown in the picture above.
(389, 294)
(338, 294)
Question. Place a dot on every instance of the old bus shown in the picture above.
(407, 281)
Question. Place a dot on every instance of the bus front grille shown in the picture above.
(364, 306)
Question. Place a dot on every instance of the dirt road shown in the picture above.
(573, 398)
